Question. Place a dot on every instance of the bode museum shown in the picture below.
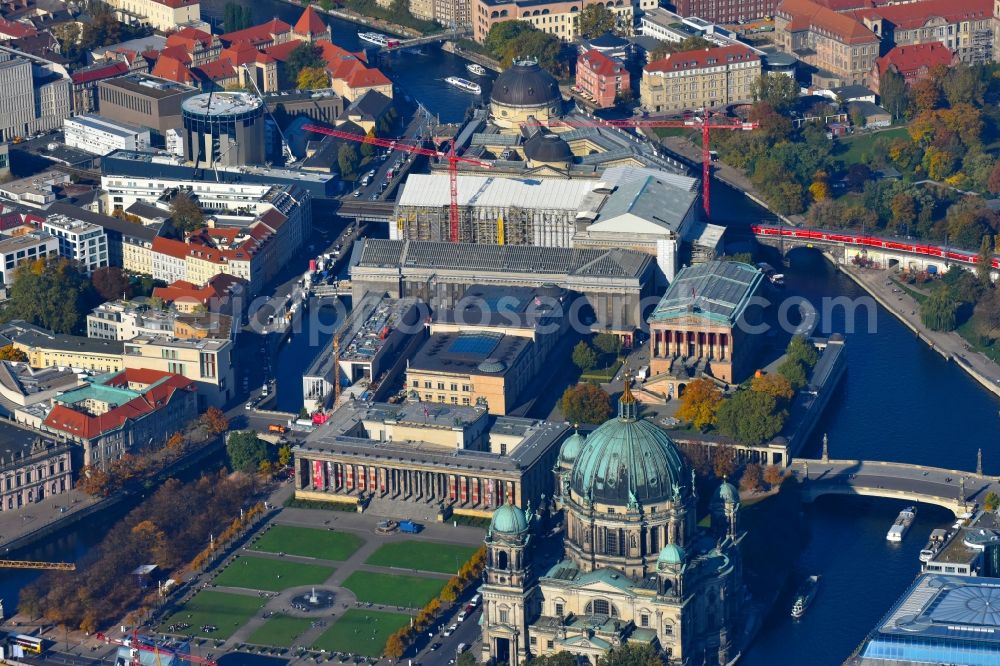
(635, 568)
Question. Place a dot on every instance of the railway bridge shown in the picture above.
(845, 245)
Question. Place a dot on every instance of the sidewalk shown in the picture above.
(904, 307)
(64, 509)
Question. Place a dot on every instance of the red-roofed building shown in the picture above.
(85, 83)
(219, 295)
(600, 77)
(695, 79)
(261, 36)
(310, 26)
(10, 30)
(964, 26)
(164, 15)
(217, 75)
(842, 48)
(200, 46)
(913, 63)
(123, 412)
(174, 66)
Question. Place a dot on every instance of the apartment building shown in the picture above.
(163, 15)
(35, 93)
(46, 349)
(28, 247)
(600, 77)
(129, 243)
(457, 13)
(123, 412)
(207, 362)
(726, 11)
(422, 9)
(694, 79)
(555, 17)
(964, 26)
(80, 241)
(913, 63)
(842, 48)
(124, 320)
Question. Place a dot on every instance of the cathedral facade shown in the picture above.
(636, 567)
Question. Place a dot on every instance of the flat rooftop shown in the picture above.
(69, 343)
(511, 307)
(30, 239)
(716, 290)
(102, 124)
(370, 325)
(469, 353)
(150, 86)
(488, 191)
(222, 104)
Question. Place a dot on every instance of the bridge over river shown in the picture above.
(954, 490)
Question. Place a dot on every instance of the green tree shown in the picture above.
(986, 316)
(466, 659)
(991, 501)
(584, 357)
(348, 160)
(893, 93)
(801, 350)
(750, 417)
(110, 282)
(793, 371)
(608, 343)
(595, 20)
(983, 261)
(632, 654)
(940, 311)
(542, 46)
(962, 84)
(777, 90)
(503, 33)
(245, 450)
(694, 43)
(52, 293)
(284, 454)
(585, 403)
(557, 659)
(186, 213)
(312, 78)
(302, 56)
(700, 403)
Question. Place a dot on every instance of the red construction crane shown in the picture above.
(136, 644)
(693, 123)
(452, 158)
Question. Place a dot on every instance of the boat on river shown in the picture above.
(464, 84)
(477, 70)
(805, 596)
(902, 524)
(377, 38)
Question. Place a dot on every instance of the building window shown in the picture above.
(550, 645)
(668, 629)
(504, 615)
(643, 620)
(559, 610)
(533, 640)
(600, 607)
(440, 386)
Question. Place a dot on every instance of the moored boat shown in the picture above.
(478, 70)
(902, 524)
(805, 596)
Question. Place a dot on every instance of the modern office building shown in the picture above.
(35, 94)
(427, 461)
(223, 128)
(702, 325)
(206, 361)
(124, 320)
(143, 100)
(940, 619)
(607, 285)
(100, 136)
(638, 567)
(15, 250)
(80, 241)
(128, 243)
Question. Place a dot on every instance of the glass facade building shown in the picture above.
(223, 129)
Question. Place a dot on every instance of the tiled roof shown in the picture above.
(601, 64)
(173, 69)
(174, 248)
(917, 14)
(909, 59)
(685, 60)
(264, 32)
(15, 29)
(367, 78)
(188, 37)
(806, 14)
(217, 287)
(243, 52)
(217, 70)
(310, 23)
(106, 71)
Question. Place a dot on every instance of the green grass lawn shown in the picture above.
(228, 612)
(393, 590)
(361, 632)
(260, 573)
(280, 631)
(853, 149)
(308, 542)
(422, 555)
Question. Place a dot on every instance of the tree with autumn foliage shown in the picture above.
(774, 385)
(176, 442)
(53, 293)
(12, 353)
(214, 421)
(773, 475)
(94, 481)
(394, 646)
(752, 478)
(312, 78)
(926, 94)
(700, 402)
(586, 403)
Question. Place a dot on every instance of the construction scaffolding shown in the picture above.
(500, 225)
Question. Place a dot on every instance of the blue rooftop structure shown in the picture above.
(941, 619)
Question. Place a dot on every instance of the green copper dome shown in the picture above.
(727, 493)
(571, 448)
(508, 519)
(628, 460)
(671, 554)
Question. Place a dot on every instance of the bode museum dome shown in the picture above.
(523, 91)
(636, 566)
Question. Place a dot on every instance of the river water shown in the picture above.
(899, 401)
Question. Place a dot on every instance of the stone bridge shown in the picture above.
(845, 245)
(954, 490)
(367, 211)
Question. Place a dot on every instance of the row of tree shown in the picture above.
(250, 454)
(163, 530)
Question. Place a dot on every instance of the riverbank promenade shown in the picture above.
(21, 527)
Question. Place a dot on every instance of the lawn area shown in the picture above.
(853, 149)
(392, 590)
(309, 542)
(280, 631)
(228, 612)
(361, 632)
(260, 573)
(422, 555)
